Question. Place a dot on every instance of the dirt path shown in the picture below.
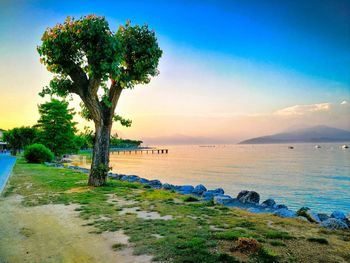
(55, 233)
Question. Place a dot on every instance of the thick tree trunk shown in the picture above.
(100, 158)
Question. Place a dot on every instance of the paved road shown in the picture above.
(6, 164)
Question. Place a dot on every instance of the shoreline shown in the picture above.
(247, 200)
(146, 221)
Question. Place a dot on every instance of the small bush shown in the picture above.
(38, 153)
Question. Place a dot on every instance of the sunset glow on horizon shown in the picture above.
(229, 70)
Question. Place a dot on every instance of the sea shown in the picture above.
(318, 178)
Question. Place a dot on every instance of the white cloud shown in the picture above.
(344, 102)
(299, 110)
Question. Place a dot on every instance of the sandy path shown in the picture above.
(54, 233)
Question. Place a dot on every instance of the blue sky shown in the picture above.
(236, 57)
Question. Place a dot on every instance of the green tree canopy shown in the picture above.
(56, 127)
(19, 138)
(92, 61)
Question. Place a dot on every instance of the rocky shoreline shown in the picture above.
(248, 200)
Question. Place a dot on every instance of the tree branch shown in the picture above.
(79, 78)
(114, 94)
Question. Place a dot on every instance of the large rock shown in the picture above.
(114, 176)
(269, 203)
(281, 206)
(168, 186)
(218, 191)
(130, 178)
(312, 217)
(155, 184)
(338, 215)
(185, 189)
(222, 199)
(143, 181)
(242, 193)
(199, 189)
(334, 223)
(309, 215)
(84, 170)
(251, 197)
(323, 216)
(285, 213)
(209, 195)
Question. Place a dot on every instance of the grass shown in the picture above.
(230, 235)
(190, 199)
(275, 234)
(118, 246)
(277, 243)
(189, 236)
(319, 240)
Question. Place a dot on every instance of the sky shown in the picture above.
(230, 70)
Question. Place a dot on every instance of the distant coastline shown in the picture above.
(316, 134)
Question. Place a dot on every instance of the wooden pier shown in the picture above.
(141, 151)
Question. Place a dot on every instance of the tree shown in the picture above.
(19, 138)
(97, 64)
(56, 127)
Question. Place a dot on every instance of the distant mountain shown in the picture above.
(314, 134)
(182, 139)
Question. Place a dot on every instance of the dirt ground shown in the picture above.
(55, 233)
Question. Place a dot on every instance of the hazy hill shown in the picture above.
(315, 134)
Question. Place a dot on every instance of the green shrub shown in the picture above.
(38, 153)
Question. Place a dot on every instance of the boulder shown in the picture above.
(208, 195)
(131, 178)
(312, 217)
(269, 203)
(309, 215)
(347, 222)
(124, 177)
(72, 167)
(168, 186)
(281, 206)
(323, 217)
(222, 199)
(338, 215)
(143, 181)
(155, 184)
(185, 189)
(114, 176)
(84, 170)
(242, 193)
(251, 197)
(199, 189)
(334, 223)
(283, 212)
(218, 191)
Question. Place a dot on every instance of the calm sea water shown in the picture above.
(303, 176)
